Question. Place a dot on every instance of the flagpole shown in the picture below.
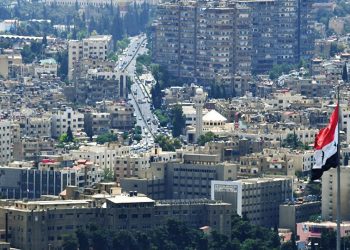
(338, 176)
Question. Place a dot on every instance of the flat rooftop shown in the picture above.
(123, 199)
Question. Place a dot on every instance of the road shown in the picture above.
(138, 98)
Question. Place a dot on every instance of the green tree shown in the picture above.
(83, 239)
(124, 240)
(207, 137)
(106, 137)
(70, 242)
(70, 137)
(178, 120)
(156, 94)
(328, 239)
(108, 174)
(166, 143)
(292, 141)
(345, 73)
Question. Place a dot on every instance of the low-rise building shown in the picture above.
(39, 224)
(292, 213)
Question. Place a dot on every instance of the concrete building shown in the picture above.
(94, 47)
(30, 148)
(27, 182)
(96, 123)
(6, 142)
(64, 118)
(292, 213)
(121, 115)
(7, 61)
(46, 68)
(213, 41)
(311, 231)
(39, 224)
(35, 126)
(103, 155)
(258, 199)
(329, 194)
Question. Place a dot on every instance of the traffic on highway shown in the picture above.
(139, 98)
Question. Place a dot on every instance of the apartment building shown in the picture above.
(96, 123)
(7, 62)
(213, 41)
(33, 126)
(39, 224)
(329, 194)
(136, 165)
(30, 148)
(258, 198)
(46, 68)
(121, 115)
(64, 118)
(94, 47)
(103, 155)
(6, 142)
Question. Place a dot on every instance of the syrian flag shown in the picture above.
(326, 147)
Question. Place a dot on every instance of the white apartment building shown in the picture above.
(6, 143)
(102, 155)
(94, 47)
(302, 161)
(64, 118)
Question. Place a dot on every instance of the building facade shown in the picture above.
(258, 199)
(39, 224)
(6, 142)
(64, 118)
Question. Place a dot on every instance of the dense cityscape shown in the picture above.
(172, 124)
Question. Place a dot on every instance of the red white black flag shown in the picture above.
(326, 147)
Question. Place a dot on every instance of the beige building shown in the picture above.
(292, 213)
(94, 47)
(39, 224)
(7, 61)
(329, 194)
(46, 68)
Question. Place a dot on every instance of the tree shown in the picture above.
(70, 242)
(106, 137)
(328, 239)
(292, 141)
(345, 73)
(156, 94)
(178, 120)
(70, 137)
(124, 240)
(83, 239)
(207, 137)
(166, 143)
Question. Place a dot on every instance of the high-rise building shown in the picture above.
(94, 47)
(212, 41)
(6, 143)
